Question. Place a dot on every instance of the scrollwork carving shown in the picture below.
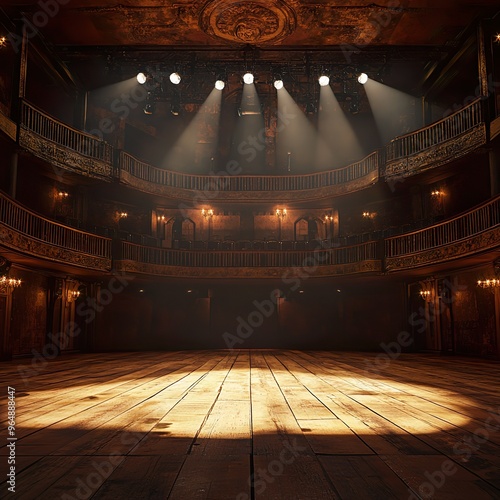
(248, 22)
(62, 157)
(437, 155)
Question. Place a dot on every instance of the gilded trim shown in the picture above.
(15, 240)
(485, 241)
(438, 155)
(368, 266)
(249, 196)
(63, 158)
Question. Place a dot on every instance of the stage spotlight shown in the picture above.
(175, 78)
(219, 84)
(175, 108)
(310, 108)
(141, 78)
(149, 107)
(278, 84)
(248, 78)
(363, 78)
(324, 80)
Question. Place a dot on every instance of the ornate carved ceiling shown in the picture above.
(263, 23)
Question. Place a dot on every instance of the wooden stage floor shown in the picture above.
(264, 424)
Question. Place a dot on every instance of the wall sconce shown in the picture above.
(427, 290)
(122, 215)
(496, 38)
(369, 215)
(3, 42)
(7, 285)
(62, 195)
(436, 193)
(281, 213)
(161, 218)
(328, 218)
(73, 295)
(490, 283)
(208, 214)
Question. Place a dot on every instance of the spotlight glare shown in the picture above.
(363, 78)
(219, 84)
(248, 78)
(175, 78)
(324, 80)
(278, 84)
(141, 78)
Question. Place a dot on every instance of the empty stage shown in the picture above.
(254, 424)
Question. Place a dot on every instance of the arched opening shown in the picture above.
(309, 228)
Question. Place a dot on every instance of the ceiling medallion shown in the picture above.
(256, 22)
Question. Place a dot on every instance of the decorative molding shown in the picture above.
(255, 22)
(469, 246)
(64, 158)
(438, 155)
(15, 240)
(8, 126)
(368, 266)
(249, 196)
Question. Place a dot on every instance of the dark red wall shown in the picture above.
(242, 316)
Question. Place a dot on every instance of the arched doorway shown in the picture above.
(309, 228)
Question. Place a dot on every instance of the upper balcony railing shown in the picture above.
(437, 133)
(53, 130)
(405, 155)
(221, 183)
(34, 226)
(462, 227)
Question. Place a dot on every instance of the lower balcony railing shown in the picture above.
(24, 230)
(473, 231)
(249, 263)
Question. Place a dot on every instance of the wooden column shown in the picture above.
(20, 73)
(14, 160)
(5, 313)
(494, 163)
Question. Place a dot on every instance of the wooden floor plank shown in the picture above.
(263, 424)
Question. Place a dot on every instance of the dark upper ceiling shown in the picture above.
(263, 23)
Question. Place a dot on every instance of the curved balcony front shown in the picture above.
(68, 149)
(475, 231)
(248, 188)
(25, 231)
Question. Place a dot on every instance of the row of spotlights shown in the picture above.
(248, 78)
(175, 78)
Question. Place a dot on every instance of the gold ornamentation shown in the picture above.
(484, 241)
(64, 158)
(11, 238)
(256, 22)
(436, 156)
